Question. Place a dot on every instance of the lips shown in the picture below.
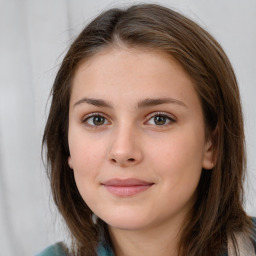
(127, 187)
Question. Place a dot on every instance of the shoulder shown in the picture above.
(254, 221)
(58, 249)
(53, 250)
(254, 231)
(104, 250)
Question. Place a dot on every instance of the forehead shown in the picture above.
(131, 72)
(128, 57)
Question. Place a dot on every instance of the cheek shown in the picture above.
(87, 161)
(178, 162)
(180, 149)
(87, 158)
(86, 153)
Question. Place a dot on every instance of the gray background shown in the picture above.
(34, 35)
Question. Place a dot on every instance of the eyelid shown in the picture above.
(160, 113)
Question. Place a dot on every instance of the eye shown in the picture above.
(95, 120)
(160, 119)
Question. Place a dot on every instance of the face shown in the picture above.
(136, 138)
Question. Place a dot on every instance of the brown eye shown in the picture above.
(98, 120)
(95, 120)
(160, 120)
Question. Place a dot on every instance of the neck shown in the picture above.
(161, 240)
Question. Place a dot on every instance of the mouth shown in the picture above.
(127, 187)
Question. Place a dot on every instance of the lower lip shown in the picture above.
(127, 191)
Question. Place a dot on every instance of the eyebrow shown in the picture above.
(149, 102)
(95, 102)
(154, 102)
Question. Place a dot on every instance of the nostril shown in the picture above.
(130, 160)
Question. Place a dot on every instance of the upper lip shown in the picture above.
(126, 182)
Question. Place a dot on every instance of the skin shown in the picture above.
(127, 142)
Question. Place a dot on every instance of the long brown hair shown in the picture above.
(218, 210)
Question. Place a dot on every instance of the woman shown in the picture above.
(145, 140)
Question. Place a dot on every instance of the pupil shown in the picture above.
(159, 120)
(98, 120)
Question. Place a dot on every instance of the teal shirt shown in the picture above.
(57, 249)
(53, 250)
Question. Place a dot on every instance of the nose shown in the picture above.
(126, 149)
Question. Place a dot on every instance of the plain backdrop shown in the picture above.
(34, 35)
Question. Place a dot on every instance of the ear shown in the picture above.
(70, 163)
(208, 157)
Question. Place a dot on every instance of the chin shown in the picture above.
(126, 221)
(125, 225)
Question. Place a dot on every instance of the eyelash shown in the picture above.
(152, 115)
